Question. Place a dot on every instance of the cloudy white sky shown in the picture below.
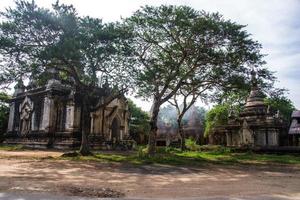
(274, 23)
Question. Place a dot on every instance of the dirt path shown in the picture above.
(19, 172)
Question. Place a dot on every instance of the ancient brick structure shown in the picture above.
(167, 133)
(256, 126)
(50, 116)
(294, 131)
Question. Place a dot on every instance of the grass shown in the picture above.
(173, 156)
(11, 147)
(191, 158)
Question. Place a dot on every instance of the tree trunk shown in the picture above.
(153, 128)
(181, 133)
(84, 148)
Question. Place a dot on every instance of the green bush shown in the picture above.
(143, 152)
(192, 145)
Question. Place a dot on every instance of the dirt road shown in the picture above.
(20, 172)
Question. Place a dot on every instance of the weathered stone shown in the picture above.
(256, 126)
(50, 116)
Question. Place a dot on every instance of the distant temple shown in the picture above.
(50, 116)
(294, 131)
(167, 134)
(256, 126)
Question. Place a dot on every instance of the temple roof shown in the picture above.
(295, 125)
(256, 98)
(296, 114)
(255, 104)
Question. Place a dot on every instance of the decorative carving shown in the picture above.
(26, 109)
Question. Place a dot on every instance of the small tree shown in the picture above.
(139, 122)
(278, 101)
(4, 112)
(217, 116)
(190, 89)
(173, 43)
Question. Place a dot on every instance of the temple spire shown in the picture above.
(19, 87)
(254, 79)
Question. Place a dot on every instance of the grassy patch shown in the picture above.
(191, 158)
(11, 147)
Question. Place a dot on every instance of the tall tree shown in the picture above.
(173, 43)
(83, 49)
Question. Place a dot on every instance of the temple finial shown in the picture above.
(253, 78)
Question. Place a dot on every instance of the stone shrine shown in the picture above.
(294, 131)
(50, 116)
(256, 126)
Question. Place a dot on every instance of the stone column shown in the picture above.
(228, 139)
(273, 137)
(11, 118)
(92, 128)
(121, 134)
(33, 122)
(48, 120)
(70, 109)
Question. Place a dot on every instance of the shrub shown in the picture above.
(191, 144)
(143, 152)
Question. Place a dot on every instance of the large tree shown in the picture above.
(174, 43)
(34, 40)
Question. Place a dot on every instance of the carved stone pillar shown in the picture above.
(48, 121)
(92, 128)
(11, 118)
(70, 114)
(34, 126)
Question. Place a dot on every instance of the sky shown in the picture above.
(273, 23)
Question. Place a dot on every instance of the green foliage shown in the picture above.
(281, 103)
(12, 147)
(175, 43)
(176, 157)
(139, 122)
(4, 113)
(217, 116)
(191, 144)
(85, 51)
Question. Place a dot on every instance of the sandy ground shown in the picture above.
(21, 172)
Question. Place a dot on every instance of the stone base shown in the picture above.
(64, 141)
(59, 140)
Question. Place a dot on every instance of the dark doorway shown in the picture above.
(115, 130)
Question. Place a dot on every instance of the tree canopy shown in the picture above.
(34, 39)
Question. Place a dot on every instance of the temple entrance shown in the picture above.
(115, 130)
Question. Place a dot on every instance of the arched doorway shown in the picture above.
(115, 130)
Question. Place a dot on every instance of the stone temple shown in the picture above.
(294, 131)
(50, 116)
(256, 126)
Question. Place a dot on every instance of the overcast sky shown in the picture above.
(274, 23)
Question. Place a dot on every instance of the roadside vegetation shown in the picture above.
(11, 147)
(174, 156)
(205, 154)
